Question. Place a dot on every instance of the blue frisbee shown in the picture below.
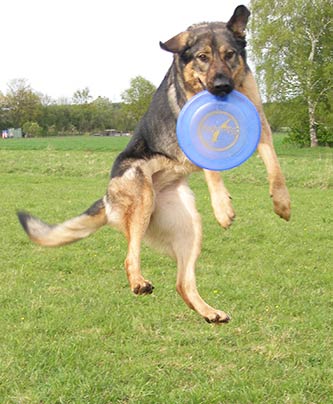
(218, 133)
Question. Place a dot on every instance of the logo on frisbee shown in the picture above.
(218, 131)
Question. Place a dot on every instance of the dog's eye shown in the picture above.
(203, 57)
(229, 55)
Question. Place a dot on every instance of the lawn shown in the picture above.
(72, 332)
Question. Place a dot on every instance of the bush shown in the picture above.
(325, 136)
(32, 129)
(301, 137)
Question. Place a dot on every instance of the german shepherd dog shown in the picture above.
(148, 196)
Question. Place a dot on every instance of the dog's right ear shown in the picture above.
(177, 44)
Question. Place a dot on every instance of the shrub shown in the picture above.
(300, 136)
(32, 129)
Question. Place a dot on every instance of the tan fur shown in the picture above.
(192, 83)
(73, 229)
(239, 73)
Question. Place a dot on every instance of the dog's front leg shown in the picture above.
(220, 199)
(277, 186)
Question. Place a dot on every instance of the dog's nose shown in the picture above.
(222, 86)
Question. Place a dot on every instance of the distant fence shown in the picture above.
(11, 133)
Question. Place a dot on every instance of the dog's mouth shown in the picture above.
(221, 93)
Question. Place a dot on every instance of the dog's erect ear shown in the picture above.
(177, 44)
(238, 21)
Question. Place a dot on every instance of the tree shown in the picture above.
(82, 96)
(102, 112)
(138, 97)
(23, 104)
(292, 47)
(3, 111)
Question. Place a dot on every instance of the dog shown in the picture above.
(148, 196)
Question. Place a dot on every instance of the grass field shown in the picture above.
(72, 332)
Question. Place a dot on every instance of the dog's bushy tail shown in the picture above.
(67, 232)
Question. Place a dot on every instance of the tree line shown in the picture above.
(39, 115)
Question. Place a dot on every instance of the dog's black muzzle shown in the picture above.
(221, 86)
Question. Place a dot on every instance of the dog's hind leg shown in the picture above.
(176, 228)
(277, 185)
(220, 199)
(131, 199)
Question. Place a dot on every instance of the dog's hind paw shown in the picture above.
(145, 288)
(218, 317)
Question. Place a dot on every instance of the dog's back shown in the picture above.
(155, 134)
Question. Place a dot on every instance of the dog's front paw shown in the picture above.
(224, 212)
(217, 317)
(281, 202)
(143, 288)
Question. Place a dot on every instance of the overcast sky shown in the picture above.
(65, 45)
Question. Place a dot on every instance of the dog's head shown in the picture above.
(212, 55)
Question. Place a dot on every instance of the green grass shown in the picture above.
(72, 332)
(74, 143)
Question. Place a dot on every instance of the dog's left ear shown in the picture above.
(238, 21)
(177, 44)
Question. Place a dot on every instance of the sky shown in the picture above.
(66, 45)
